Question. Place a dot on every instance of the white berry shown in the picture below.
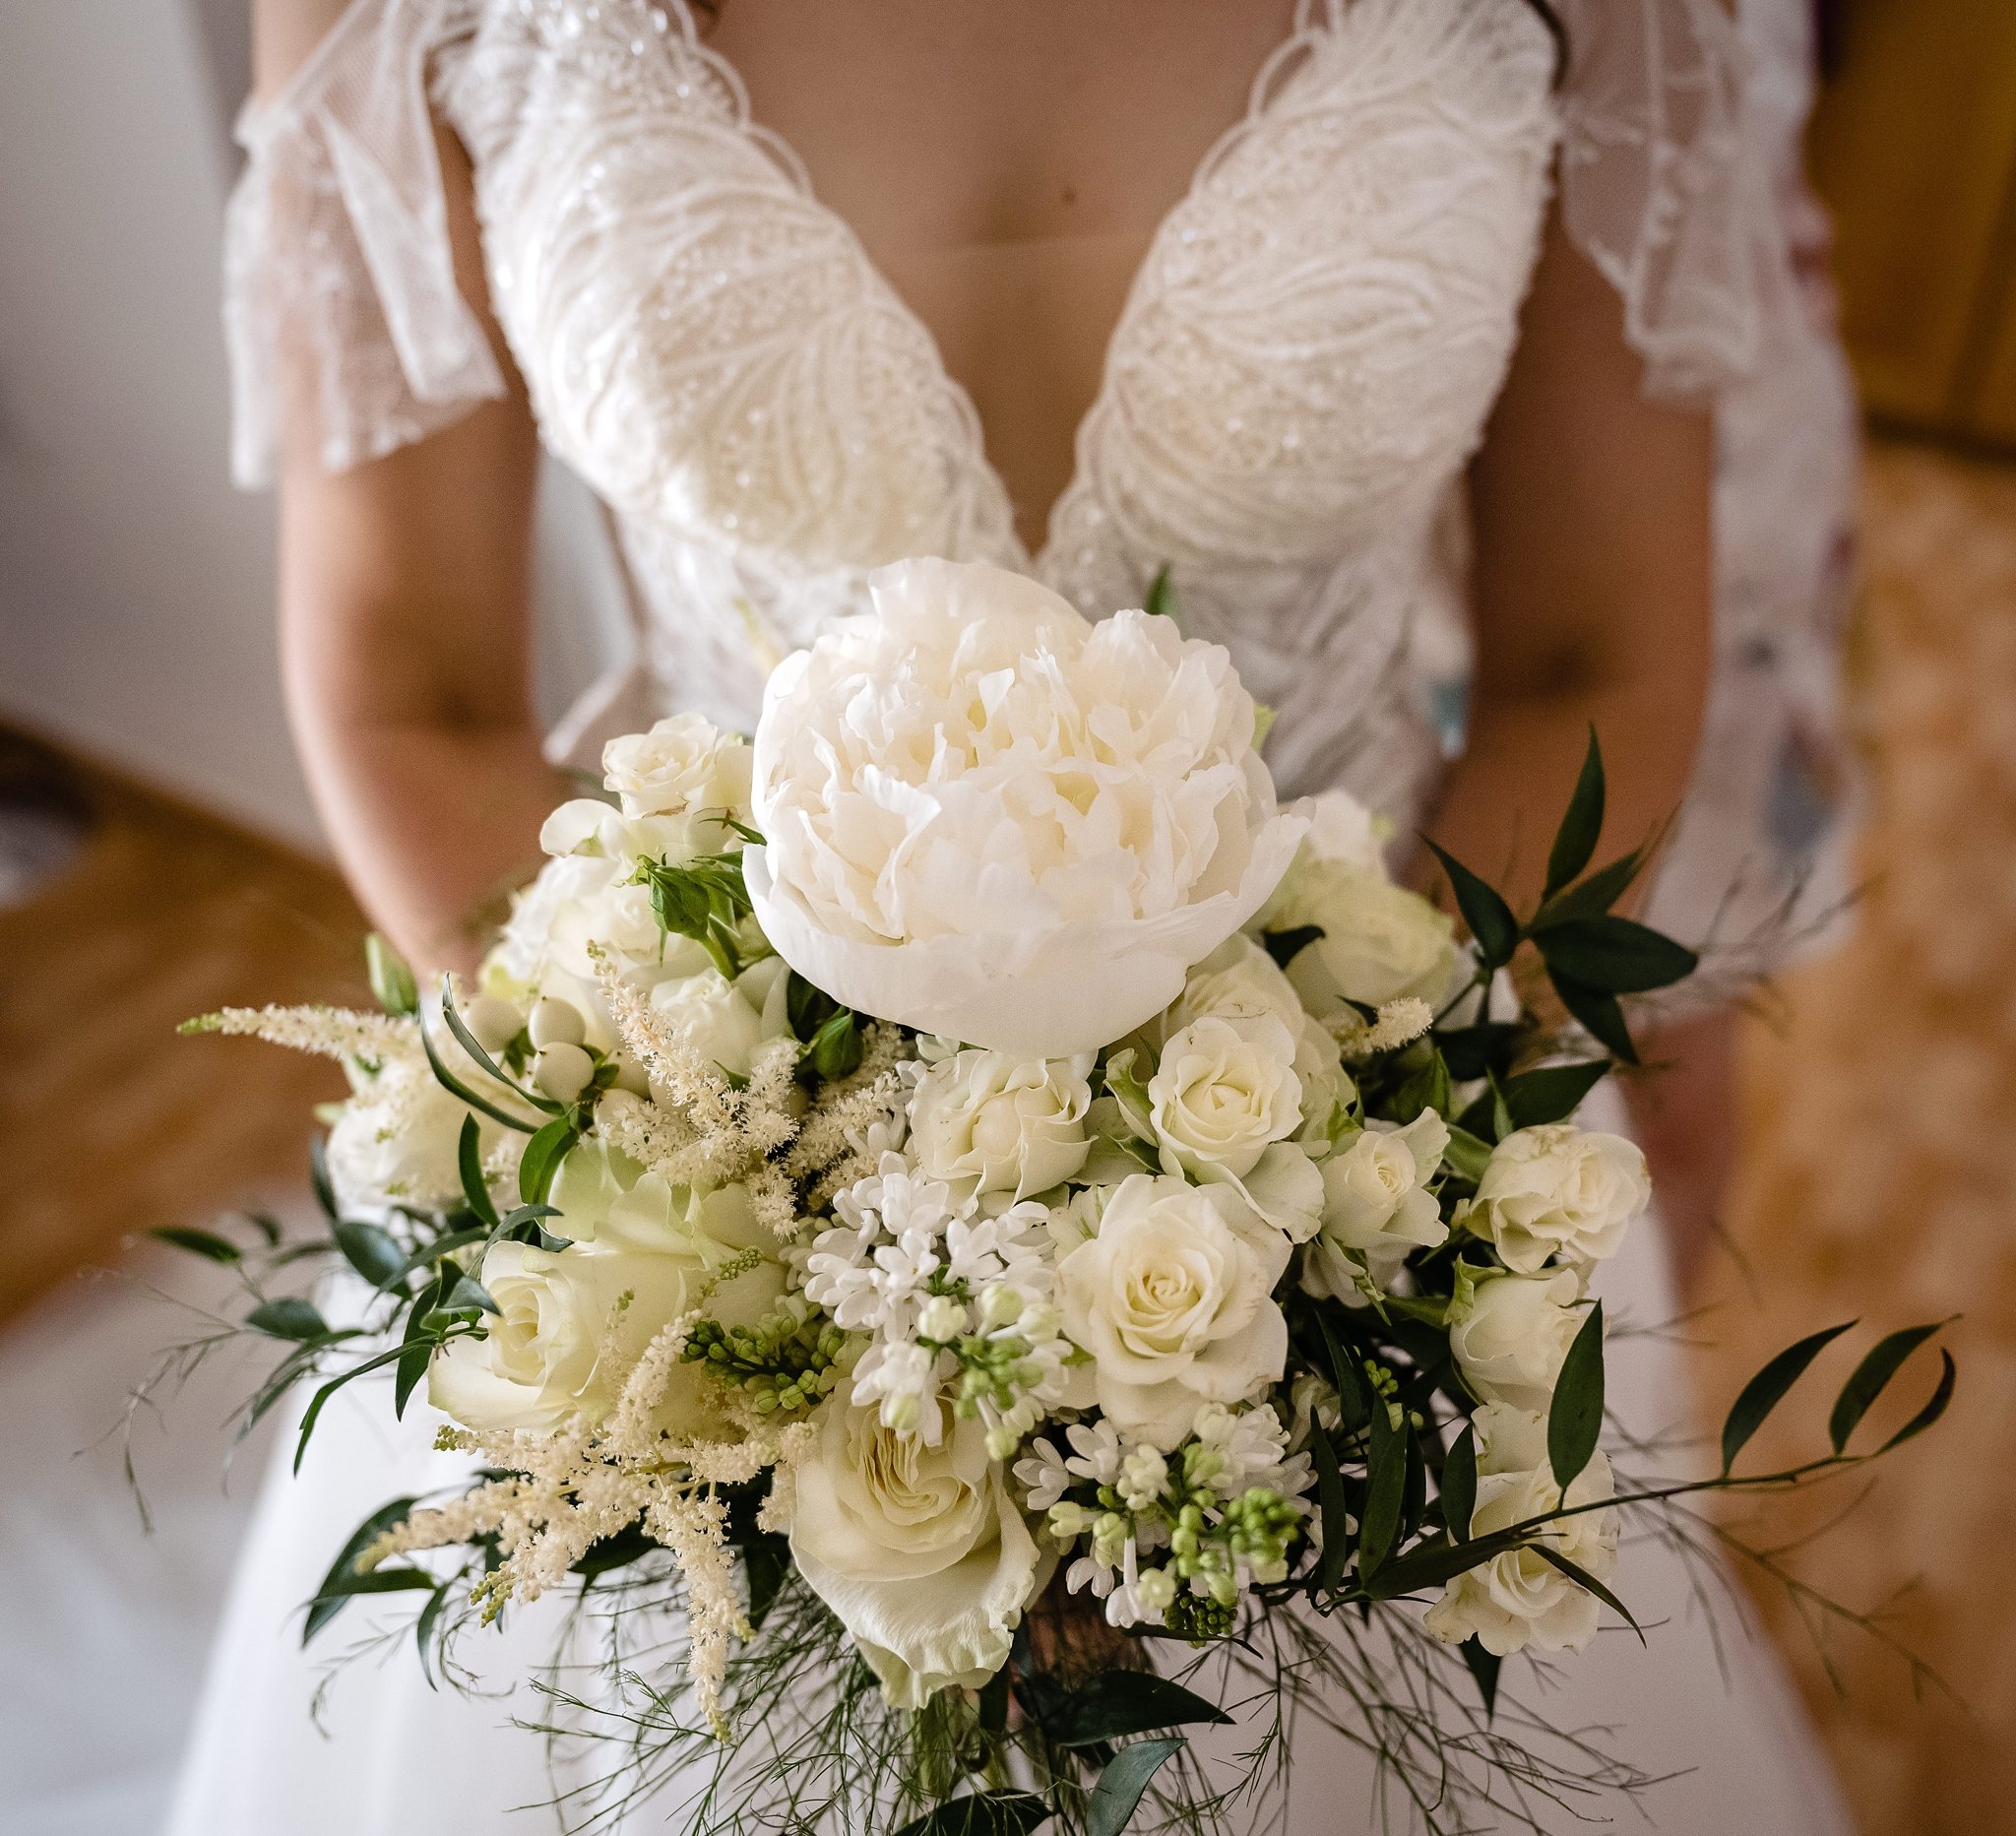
(562, 1071)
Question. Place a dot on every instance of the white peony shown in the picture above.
(1174, 1299)
(988, 819)
(919, 1549)
(683, 763)
(1509, 1343)
(985, 1121)
(1224, 1091)
(1344, 830)
(1558, 1190)
(567, 1334)
(1376, 1205)
(1522, 1598)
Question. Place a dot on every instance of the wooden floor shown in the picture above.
(112, 1122)
(1879, 1170)
(1880, 1121)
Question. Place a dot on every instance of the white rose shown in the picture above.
(684, 763)
(721, 1022)
(1522, 1598)
(661, 1246)
(397, 1143)
(1380, 942)
(989, 819)
(1510, 1343)
(1376, 1205)
(919, 1549)
(1558, 1190)
(1240, 980)
(1225, 1091)
(1173, 1301)
(1343, 829)
(985, 1121)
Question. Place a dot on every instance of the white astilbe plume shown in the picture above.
(1399, 1024)
(344, 1033)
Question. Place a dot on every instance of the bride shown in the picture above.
(1371, 321)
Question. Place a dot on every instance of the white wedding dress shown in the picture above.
(1303, 366)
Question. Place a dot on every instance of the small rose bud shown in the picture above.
(562, 1071)
(555, 1023)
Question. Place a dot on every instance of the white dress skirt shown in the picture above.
(1705, 1711)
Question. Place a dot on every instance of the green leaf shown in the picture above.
(1583, 1579)
(372, 1251)
(1124, 1778)
(289, 1318)
(1484, 1667)
(1286, 945)
(1479, 1051)
(1599, 1013)
(1483, 910)
(1385, 1487)
(467, 1293)
(413, 1358)
(1581, 824)
(455, 1087)
(1160, 602)
(267, 1225)
(1334, 1507)
(766, 1564)
(319, 1179)
(1594, 897)
(1115, 1703)
(205, 1243)
(1552, 1094)
(321, 1397)
(1869, 1378)
(469, 1044)
(1614, 955)
(1767, 1389)
(1435, 1564)
(1934, 1409)
(1467, 1153)
(543, 1154)
(984, 1813)
(328, 1600)
(468, 1156)
(423, 1631)
(391, 978)
(836, 1049)
(806, 1007)
(1345, 1374)
(1459, 1484)
(1575, 1416)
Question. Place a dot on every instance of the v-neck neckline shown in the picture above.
(1311, 18)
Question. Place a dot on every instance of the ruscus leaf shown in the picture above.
(392, 978)
(1117, 1703)
(1583, 1579)
(1575, 1416)
(984, 1813)
(1484, 1667)
(1869, 1378)
(1459, 1484)
(1581, 823)
(1614, 955)
(1483, 910)
(1117, 1795)
(543, 1156)
(1552, 1094)
(1597, 1012)
(289, 1318)
(1385, 1486)
(1767, 1389)
(328, 1602)
(205, 1243)
(1934, 1408)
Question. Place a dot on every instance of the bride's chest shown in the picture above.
(745, 280)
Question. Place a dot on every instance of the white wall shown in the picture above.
(136, 597)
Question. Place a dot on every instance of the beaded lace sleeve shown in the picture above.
(1656, 188)
(339, 293)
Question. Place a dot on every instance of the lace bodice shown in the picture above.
(1303, 365)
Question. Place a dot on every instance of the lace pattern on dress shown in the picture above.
(1656, 189)
(340, 295)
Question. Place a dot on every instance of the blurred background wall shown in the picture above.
(159, 856)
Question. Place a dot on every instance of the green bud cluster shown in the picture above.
(1198, 1620)
(786, 1360)
(997, 1370)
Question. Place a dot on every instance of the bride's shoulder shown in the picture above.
(287, 33)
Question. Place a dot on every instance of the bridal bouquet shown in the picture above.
(985, 1215)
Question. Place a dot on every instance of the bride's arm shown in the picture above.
(404, 597)
(1592, 590)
